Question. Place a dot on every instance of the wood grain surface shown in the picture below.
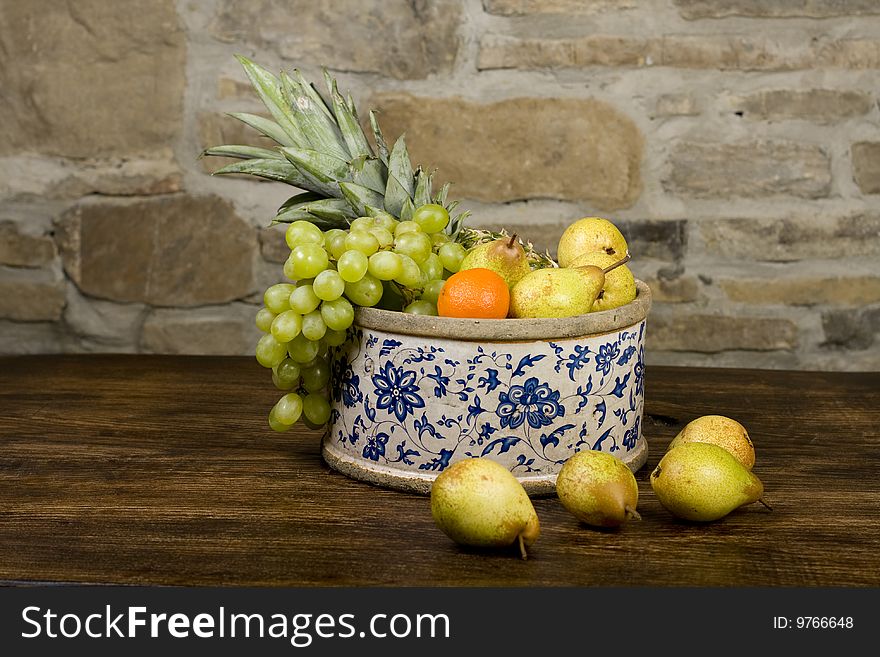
(161, 470)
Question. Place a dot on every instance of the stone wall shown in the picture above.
(735, 142)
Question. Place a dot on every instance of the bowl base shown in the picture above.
(386, 477)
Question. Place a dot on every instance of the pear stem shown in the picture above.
(765, 502)
(631, 513)
(512, 241)
(617, 264)
(522, 548)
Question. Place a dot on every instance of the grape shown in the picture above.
(309, 260)
(288, 268)
(361, 240)
(421, 307)
(286, 374)
(276, 298)
(385, 220)
(406, 227)
(275, 424)
(383, 236)
(432, 267)
(316, 378)
(316, 408)
(313, 326)
(366, 292)
(432, 290)
(439, 239)
(332, 234)
(328, 285)
(303, 232)
(411, 275)
(287, 325)
(451, 254)
(288, 409)
(269, 351)
(264, 319)
(304, 281)
(337, 314)
(334, 338)
(416, 245)
(431, 217)
(385, 265)
(302, 350)
(336, 244)
(352, 266)
(361, 223)
(304, 300)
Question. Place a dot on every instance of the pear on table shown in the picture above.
(598, 489)
(703, 482)
(480, 503)
(722, 431)
(559, 292)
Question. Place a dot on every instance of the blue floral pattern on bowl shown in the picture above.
(411, 405)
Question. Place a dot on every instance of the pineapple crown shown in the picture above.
(322, 149)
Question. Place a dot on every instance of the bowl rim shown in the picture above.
(544, 328)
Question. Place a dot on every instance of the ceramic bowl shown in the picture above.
(412, 394)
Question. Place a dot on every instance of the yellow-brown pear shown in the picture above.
(598, 489)
(478, 502)
(620, 284)
(703, 482)
(722, 431)
(590, 234)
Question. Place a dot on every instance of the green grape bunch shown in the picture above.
(376, 260)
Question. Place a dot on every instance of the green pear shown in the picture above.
(478, 502)
(598, 489)
(559, 292)
(704, 482)
(505, 256)
(620, 284)
(590, 234)
(722, 431)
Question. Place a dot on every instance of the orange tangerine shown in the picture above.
(474, 293)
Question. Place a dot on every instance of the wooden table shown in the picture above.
(161, 470)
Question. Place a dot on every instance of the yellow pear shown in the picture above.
(722, 431)
(590, 234)
(598, 489)
(505, 256)
(478, 502)
(620, 284)
(703, 482)
(559, 291)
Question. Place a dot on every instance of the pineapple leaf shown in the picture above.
(359, 197)
(321, 132)
(399, 187)
(270, 169)
(335, 209)
(351, 106)
(243, 152)
(440, 199)
(324, 167)
(269, 128)
(312, 93)
(406, 212)
(369, 172)
(298, 199)
(348, 123)
(381, 146)
(269, 90)
(423, 188)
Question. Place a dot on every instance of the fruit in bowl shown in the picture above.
(369, 230)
